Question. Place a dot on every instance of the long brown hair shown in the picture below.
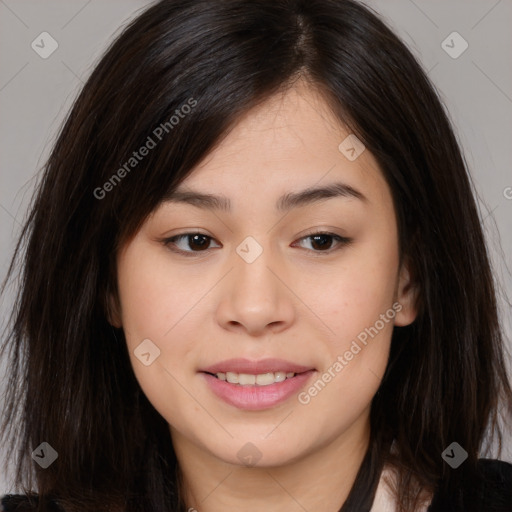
(70, 379)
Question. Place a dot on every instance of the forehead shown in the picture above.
(287, 152)
(292, 140)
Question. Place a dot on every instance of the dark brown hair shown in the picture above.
(70, 379)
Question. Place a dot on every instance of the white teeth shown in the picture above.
(246, 380)
(232, 377)
(279, 376)
(263, 379)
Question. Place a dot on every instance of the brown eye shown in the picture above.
(198, 241)
(323, 242)
(193, 242)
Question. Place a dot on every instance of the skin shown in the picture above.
(295, 301)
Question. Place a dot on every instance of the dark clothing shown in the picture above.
(490, 492)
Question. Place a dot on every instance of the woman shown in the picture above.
(337, 334)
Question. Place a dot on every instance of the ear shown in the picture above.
(406, 295)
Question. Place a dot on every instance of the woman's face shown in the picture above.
(255, 285)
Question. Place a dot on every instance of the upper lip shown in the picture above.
(247, 366)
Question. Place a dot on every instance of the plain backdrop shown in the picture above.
(476, 87)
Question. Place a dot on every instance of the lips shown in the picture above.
(262, 366)
(255, 397)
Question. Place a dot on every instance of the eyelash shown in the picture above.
(169, 242)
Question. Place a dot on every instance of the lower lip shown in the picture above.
(255, 398)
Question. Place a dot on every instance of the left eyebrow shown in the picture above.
(285, 203)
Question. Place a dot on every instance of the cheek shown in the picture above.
(358, 308)
(354, 294)
(154, 297)
(156, 305)
(357, 349)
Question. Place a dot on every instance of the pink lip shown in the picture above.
(240, 365)
(255, 398)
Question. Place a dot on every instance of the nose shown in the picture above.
(255, 297)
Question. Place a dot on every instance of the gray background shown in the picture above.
(36, 93)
